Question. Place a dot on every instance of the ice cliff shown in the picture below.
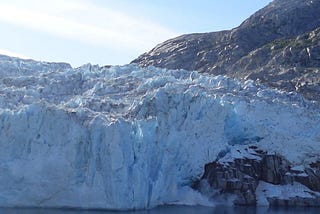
(128, 137)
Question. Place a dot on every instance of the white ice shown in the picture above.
(128, 137)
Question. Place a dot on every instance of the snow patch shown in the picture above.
(267, 190)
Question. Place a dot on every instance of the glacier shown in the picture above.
(125, 137)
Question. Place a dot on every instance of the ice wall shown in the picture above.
(127, 137)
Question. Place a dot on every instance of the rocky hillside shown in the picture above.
(278, 45)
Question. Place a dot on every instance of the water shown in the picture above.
(172, 210)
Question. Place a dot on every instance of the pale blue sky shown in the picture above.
(109, 31)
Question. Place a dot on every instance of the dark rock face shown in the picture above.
(273, 169)
(312, 180)
(290, 64)
(241, 178)
(230, 179)
(278, 45)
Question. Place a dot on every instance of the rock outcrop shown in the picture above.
(278, 46)
(242, 176)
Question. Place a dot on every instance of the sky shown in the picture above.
(109, 32)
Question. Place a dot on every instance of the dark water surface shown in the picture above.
(170, 210)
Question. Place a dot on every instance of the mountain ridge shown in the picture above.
(218, 52)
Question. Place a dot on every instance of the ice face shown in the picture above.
(129, 137)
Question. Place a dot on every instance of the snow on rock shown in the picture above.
(129, 137)
(291, 194)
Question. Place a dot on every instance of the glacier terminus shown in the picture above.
(125, 137)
